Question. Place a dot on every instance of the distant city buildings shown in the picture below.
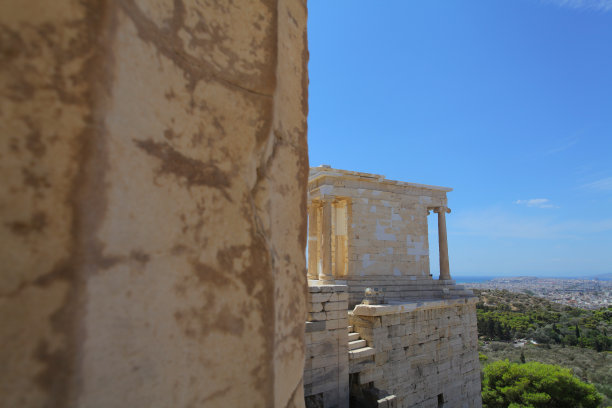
(582, 293)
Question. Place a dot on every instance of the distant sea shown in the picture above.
(480, 279)
(472, 279)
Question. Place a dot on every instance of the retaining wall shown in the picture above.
(326, 372)
(426, 352)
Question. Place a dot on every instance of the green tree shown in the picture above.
(535, 385)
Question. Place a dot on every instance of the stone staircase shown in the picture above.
(357, 347)
(361, 361)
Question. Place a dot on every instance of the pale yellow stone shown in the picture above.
(153, 204)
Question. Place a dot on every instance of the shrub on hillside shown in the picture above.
(535, 385)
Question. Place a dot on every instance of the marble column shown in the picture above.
(325, 256)
(154, 170)
(313, 244)
(443, 242)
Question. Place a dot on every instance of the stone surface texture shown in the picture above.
(153, 203)
(422, 350)
(326, 376)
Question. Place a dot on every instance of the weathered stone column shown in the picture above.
(443, 242)
(313, 240)
(154, 163)
(325, 260)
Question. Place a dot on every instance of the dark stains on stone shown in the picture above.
(305, 80)
(59, 368)
(180, 289)
(50, 378)
(216, 394)
(169, 43)
(61, 376)
(36, 223)
(169, 95)
(35, 181)
(231, 324)
(140, 256)
(193, 172)
(302, 186)
(197, 138)
(178, 249)
(210, 276)
(13, 144)
(33, 139)
(169, 134)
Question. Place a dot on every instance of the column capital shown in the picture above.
(316, 203)
(443, 209)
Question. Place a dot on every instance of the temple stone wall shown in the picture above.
(326, 376)
(426, 353)
(388, 234)
(153, 203)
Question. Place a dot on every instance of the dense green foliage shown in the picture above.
(586, 364)
(505, 316)
(535, 385)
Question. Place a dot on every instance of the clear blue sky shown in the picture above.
(508, 102)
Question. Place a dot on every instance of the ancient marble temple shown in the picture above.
(370, 231)
(380, 327)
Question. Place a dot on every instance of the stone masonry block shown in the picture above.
(336, 306)
(334, 288)
(381, 358)
(316, 307)
(324, 361)
(396, 342)
(315, 327)
(397, 330)
(397, 355)
(322, 387)
(314, 289)
(386, 345)
(320, 297)
(314, 317)
(324, 348)
(361, 364)
(389, 320)
(339, 297)
(331, 398)
(335, 314)
(320, 334)
(370, 375)
(336, 324)
(366, 321)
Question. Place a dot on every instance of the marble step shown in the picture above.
(353, 336)
(356, 344)
(361, 353)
